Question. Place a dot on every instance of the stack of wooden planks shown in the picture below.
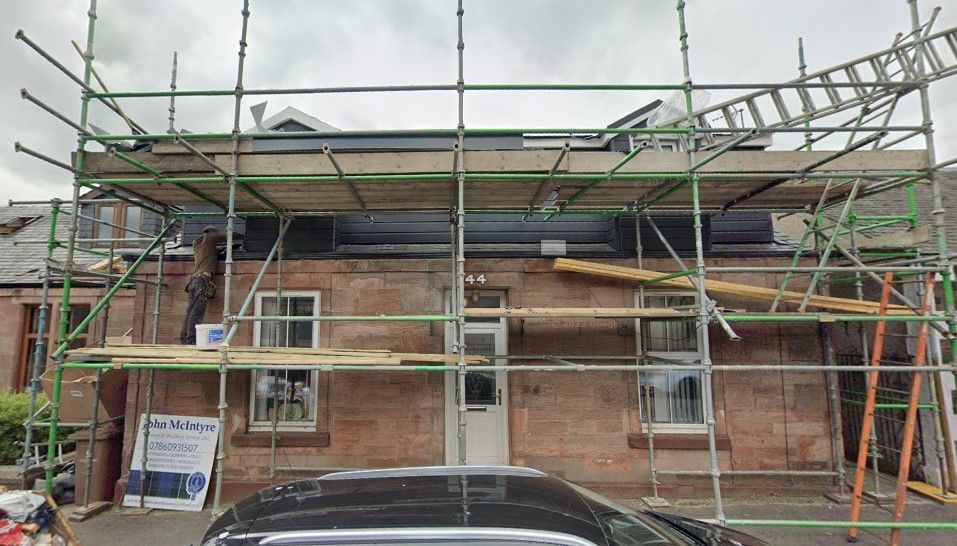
(187, 354)
(729, 288)
(104, 265)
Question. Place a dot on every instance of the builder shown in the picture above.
(201, 287)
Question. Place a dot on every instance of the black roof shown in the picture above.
(523, 500)
(464, 498)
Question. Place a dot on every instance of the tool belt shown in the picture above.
(209, 288)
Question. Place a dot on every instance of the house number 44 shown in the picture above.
(472, 279)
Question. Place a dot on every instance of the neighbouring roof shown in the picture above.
(16, 224)
(292, 119)
(21, 264)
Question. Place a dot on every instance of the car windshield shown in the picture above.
(623, 526)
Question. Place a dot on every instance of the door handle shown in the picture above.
(498, 397)
(476, 408)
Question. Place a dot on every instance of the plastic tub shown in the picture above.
(209, 336)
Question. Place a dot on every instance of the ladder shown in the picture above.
(870, 405)
(782, 106)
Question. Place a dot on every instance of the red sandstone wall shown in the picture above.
(572, 423)
(13, 302)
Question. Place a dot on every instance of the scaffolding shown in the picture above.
(870, 88)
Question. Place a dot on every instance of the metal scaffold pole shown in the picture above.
(938, 213)
(459, 248)
(38, 362)
(228, 273)
(151, 376)
(277, 329)
(97, 386)
(802, 69)
(70, 249)
(645, 405)
(703, 317)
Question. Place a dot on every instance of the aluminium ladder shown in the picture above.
(889, 72)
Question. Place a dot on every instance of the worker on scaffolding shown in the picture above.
(201, 287)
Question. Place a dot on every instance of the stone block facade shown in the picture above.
(14, 304)
(579, 425)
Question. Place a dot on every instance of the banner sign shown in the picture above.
(179, 464)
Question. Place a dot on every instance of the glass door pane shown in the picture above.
(480, 387)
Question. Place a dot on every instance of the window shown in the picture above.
(481, 387)
(28, 344)
(289, 396)
(107, 214)
(31, 332)
(119, 220)
(133, 221)
(78, 312)
(673, 397)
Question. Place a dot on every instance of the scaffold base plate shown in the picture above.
(84, 513)
(837, 497)
(655, 502)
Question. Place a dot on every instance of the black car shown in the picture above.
(498, 505)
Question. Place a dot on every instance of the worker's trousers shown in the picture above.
(198, 293)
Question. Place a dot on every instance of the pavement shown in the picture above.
(797, 508)
(165, 528)
(157, 528)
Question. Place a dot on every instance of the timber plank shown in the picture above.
(594, 312)
(723, 287)
(173, 354)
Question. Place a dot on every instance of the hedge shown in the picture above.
(13, 412)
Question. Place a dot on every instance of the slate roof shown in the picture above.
(22, 264)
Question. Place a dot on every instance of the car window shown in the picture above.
(628, 530)
(623, 526)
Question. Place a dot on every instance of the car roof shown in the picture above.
(430, 497)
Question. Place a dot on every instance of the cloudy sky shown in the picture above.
(328, 42)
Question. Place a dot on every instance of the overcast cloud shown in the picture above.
(326, 42)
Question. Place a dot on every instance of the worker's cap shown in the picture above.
(207, 229)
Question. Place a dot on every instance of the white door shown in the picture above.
(486, 392)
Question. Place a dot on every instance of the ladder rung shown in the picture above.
(904, 61)
(755, 113)
(780, 105)
(951, 40)
(854, 77)
(806, 100)
(933, 57)
(890, 362)
(728, 114)
(832, 94)
(880, 72)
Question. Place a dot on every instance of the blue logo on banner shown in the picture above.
(195, 483)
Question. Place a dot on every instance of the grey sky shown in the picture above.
(326, 42)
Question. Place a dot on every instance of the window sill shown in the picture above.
(678, 441)
(283, 439)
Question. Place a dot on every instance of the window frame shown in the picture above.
(30, 315)
(120, 211)
(76, 313)
(254, 425)
(667, 428)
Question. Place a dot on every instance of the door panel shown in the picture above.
(485, 394)
(485, 417)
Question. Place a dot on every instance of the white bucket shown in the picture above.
(209, 336)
